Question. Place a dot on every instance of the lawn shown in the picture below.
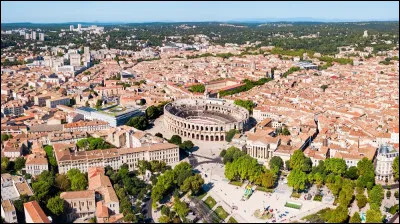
(232, 220)
(319, 217)
(210, 202)
(291, 205)
(236, 183)
(221, 212)
(201, 194)
(265, 189)
(318, 197)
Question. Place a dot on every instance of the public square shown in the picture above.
(206, 160)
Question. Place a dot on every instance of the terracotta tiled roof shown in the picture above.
(36, 212)
(77, 194)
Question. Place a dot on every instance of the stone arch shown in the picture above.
(216, 138)
(197, 136)
(212, 138)
(211, 128)
(207, 138)
(202, 137)
(193, 135)
(222, 137)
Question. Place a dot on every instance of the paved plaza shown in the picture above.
(205, 159)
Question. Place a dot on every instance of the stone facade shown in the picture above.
(204, 119)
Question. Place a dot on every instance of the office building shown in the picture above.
(384, 162)
(79, 27)
(33, 35)
(41, 36)
(71, 28)
(75, 59)
(52, 103)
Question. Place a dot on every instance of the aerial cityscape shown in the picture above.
(199, 112)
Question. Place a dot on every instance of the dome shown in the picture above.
(385, 149)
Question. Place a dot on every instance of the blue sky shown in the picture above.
(114, 11)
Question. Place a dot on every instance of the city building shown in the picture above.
(75, 59)
(12, 108)
(384, 162)
(68, 157)
(114, 118)
(8, 212)
(41, 36)
(35, 164)
(71, 28)
(34, 213)
(79, 204)
(94, 125)
(33, 37)
(52, 103)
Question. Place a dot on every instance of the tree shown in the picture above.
(5, 137)
(287, 165)
(87, 104)
(41, 189)
(248, 104)
(50, 155)
(346, 194)
(19, 163)
(276, 161)
(266, 179)
(186, 145)
(152, 112)
(351, 173)
(232, 153)
(164, 219)
(82, 143)
(324, 87)
(396, 194)
(375, 195)
(56, 205)
(361, 200)
(339, 215)
(365, 166)
(139, 122)
(99, 102)
(297, 179)
(130, 218)
(62, 182)
(165, 210)
(176, 139)
(199, 88)
(4, 164)
(395, 167)
(230, 134)
(297, 160)
(144, 165)
(222, 153)
(192, 184)
(335, 165)
(181, 208)
(285, 131)
(355, 218)
(388, 194)
(78, 179)
(374, 216)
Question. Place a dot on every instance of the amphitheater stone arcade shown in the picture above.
(204, 119)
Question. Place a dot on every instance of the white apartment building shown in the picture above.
(52, 103)
(41, 36)
(36, 164)
(75, 59)
(94, 125)
(8, 212)
(71, 28)
(384, 162)
(68, 159)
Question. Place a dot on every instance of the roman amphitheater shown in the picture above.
(204, 119)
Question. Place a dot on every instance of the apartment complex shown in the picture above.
(52, 103)
(41, 99)
(68, 157)
(8, 212)
(94, 125)
(79, 204)
(12, 108)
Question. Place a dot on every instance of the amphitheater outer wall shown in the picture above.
(205, 132)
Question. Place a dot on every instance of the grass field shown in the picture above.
(236, 183)
(232, 220)
(210, 202)
(291, 205)
(264, 189)
(319, 217)
(221, 212)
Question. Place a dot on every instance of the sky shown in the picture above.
(174, 11)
